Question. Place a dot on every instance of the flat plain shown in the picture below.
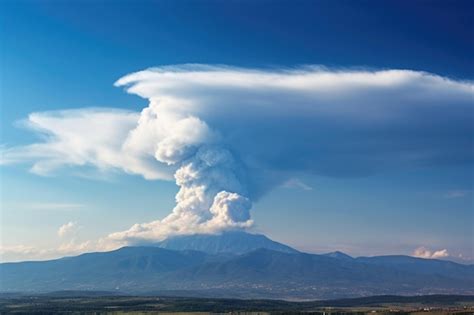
(90, 304)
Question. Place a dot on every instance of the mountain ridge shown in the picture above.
(256, 273)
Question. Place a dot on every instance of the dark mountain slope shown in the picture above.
(421, 266)
(270, 266)
(97, 271)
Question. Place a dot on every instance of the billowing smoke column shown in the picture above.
(211, 197)
(229, 135)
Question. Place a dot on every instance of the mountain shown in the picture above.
(127, 266)
(309, 276)
(420, 266)
(233, 242)
(223, 269)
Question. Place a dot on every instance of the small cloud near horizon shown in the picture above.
(423, 252)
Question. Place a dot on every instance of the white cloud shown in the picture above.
(245, 131)
(67, 229)
(423, 252)
(364, 118)
(440, 253)
(81, 138)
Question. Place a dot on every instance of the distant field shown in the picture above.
(90, 304)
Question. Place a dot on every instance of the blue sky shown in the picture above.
(60, 55)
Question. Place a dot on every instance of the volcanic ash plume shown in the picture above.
(211, 195)
(227, 135)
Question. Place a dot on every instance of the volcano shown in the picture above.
(237, 265)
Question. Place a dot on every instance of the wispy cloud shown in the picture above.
(83, 138)
(46, 206)
(296, 183)
(460, 193)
